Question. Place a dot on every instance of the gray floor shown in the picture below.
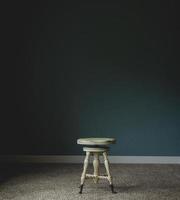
(60, 182)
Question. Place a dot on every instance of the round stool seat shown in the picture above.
(96, 141)
(95, 149)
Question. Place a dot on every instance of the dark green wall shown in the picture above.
(78, 69)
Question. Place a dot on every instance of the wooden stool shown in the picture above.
(96, 147)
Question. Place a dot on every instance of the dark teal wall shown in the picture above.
(90, 69)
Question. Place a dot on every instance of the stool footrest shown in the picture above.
(94, 176)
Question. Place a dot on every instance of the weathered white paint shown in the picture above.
(86, 162)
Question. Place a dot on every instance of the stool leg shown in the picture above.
(96, 166)
(83, 176)
(106, 163)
